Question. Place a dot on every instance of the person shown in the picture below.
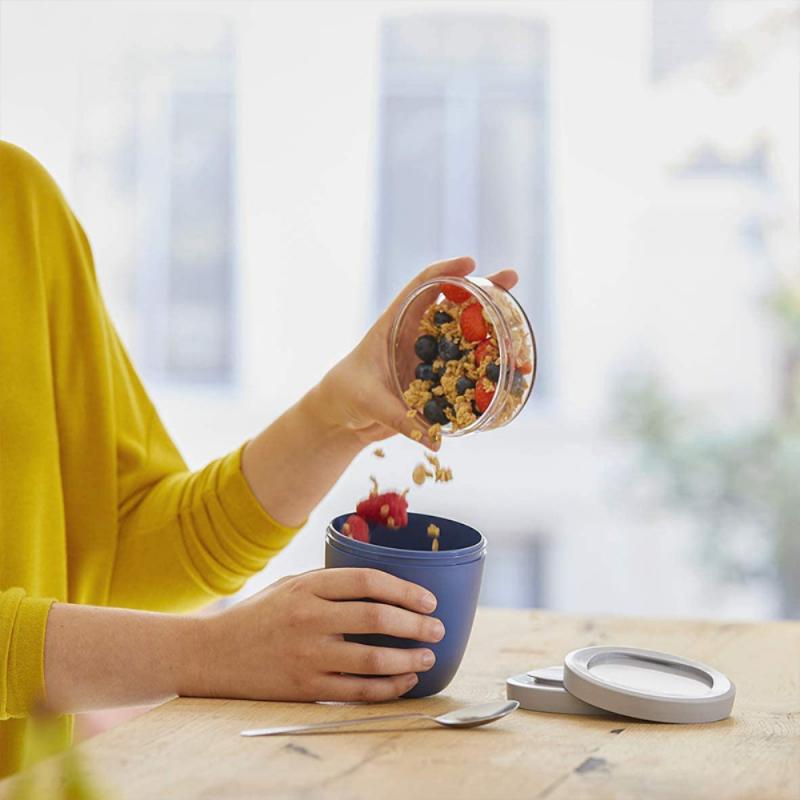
(107, 539)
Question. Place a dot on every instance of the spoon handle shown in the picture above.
(323, 726)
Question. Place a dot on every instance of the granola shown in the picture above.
(459, 371)
(440, 474)
(420, 474)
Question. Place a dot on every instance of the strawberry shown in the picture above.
(486, 349)
(484, 392)
(525, 369)
(389, 509)
(356, 528)
(456, 294)
(473, 325)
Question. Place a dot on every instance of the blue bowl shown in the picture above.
(453, 574)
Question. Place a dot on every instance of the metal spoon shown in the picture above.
(467, 717)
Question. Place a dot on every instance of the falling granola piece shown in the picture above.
(433, 530)
(420, 474)
(435, 545)
(440, 474)
(378, 452)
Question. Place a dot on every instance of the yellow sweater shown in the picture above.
(96, 504)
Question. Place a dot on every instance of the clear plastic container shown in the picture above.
(509, 345)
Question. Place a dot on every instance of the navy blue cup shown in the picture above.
(453, 574)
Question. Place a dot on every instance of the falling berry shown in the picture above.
(356, 528)
(389, 509)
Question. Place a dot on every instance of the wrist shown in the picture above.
(324, 417)
(194, 667)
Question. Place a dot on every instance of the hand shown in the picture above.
(287, 642)
(380, 413)
(292, 464)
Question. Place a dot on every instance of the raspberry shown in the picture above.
(473, 325)
(484, 392)
(356, 528)
(456, 294)
(389, 509)
(486, 349)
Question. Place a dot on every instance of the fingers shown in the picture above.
(400, 422)
(505, 278)
(348, 688)
(351, 583)
(453, 267)
(361, 659)
(356, 617)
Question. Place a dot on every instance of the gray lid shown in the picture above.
(543, 690)
(646, 684)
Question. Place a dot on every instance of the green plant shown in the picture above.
(741, 488)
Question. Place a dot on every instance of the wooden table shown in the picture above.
(191, 748)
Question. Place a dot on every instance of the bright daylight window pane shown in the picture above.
(463, 151)
(157, 156)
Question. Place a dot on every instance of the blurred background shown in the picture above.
(259, 178)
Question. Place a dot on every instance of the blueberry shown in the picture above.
(425, 348)
(425, 372)
(464, 383)
(442, 318)
(493, 372)
(435, 413)
(518, 384)
(448, 350)
(442, 401)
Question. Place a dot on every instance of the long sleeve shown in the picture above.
(184, 537)
(96, 504)
(23, 621)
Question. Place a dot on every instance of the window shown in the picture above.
(463, 150)
(681, 34)
(160, 177)
(516, 574)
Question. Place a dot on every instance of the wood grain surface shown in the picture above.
(190, 748)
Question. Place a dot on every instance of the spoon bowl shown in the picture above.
(466, 717)
(473, 716)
